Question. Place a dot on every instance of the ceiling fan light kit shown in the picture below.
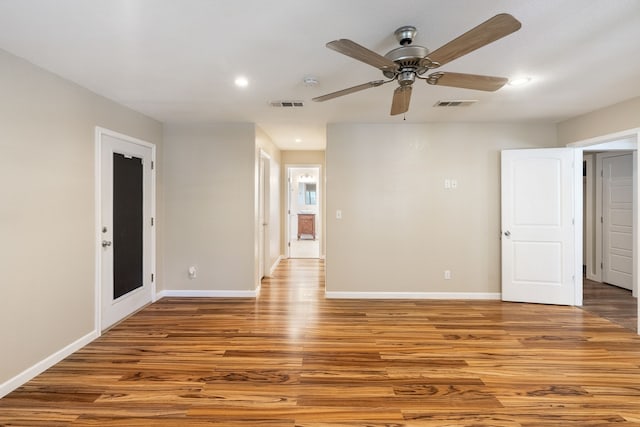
(409, 62)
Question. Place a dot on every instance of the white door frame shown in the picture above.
(99, 133)
(624, 140)
(319, 190)
(263, 215)
(594, 272)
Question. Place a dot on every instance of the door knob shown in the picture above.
(106, 243)
(507, 233)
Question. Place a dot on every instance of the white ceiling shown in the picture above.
(176, 60)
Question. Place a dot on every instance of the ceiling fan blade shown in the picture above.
(401, 100)
(349, 90)
(467, 81)
(361, 53)
(489, 31)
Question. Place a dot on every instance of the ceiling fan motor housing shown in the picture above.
(408, 58)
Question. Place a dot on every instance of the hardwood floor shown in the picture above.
(613, 303)
(293, 358)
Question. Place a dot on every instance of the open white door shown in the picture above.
(538, 226)
(617, 219)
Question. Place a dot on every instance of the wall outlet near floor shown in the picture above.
(192, 272)
(447, 274)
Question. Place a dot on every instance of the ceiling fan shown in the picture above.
(409, 62)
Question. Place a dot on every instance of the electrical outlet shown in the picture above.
(447, 274)
(338, 214)
(192, 272)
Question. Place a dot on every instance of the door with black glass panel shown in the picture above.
(126, 226)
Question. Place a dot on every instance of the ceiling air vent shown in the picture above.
(286, 104)
(456, 103)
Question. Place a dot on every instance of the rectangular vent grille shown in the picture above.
(456, 103)
(286, 104)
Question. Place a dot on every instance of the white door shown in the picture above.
(617, 220)
(126, 238)
(292, 214)
(262, 217)
(538, 256)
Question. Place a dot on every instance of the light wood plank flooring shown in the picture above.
(292, 358)
(611, 302)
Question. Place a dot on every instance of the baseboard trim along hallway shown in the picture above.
(414, 295)
(43, 365)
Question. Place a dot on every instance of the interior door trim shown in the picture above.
(99, 133)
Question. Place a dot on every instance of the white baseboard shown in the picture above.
(29, 373)
(207, 294)
(414, 295)
(275, 265)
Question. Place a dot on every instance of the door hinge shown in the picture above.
(601, 173)
(573, 221)
(152, 277)
(601, 266)
(289, 244)
(152, 221)
(152, 164)
(601, 220)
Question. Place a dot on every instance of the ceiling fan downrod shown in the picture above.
(406, 34)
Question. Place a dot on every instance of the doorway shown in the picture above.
(304, 222)
(125, 226)
(609, 232)
(609, 146)
(610, 207)
(521, 280)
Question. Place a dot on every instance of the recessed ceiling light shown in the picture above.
(519, 81)
(298, 140)
(241, 81)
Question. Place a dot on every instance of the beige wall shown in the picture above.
(303, 157)
(47, 209)
(622, 116)
(300, 158)
(210, 175)
(400, 228)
